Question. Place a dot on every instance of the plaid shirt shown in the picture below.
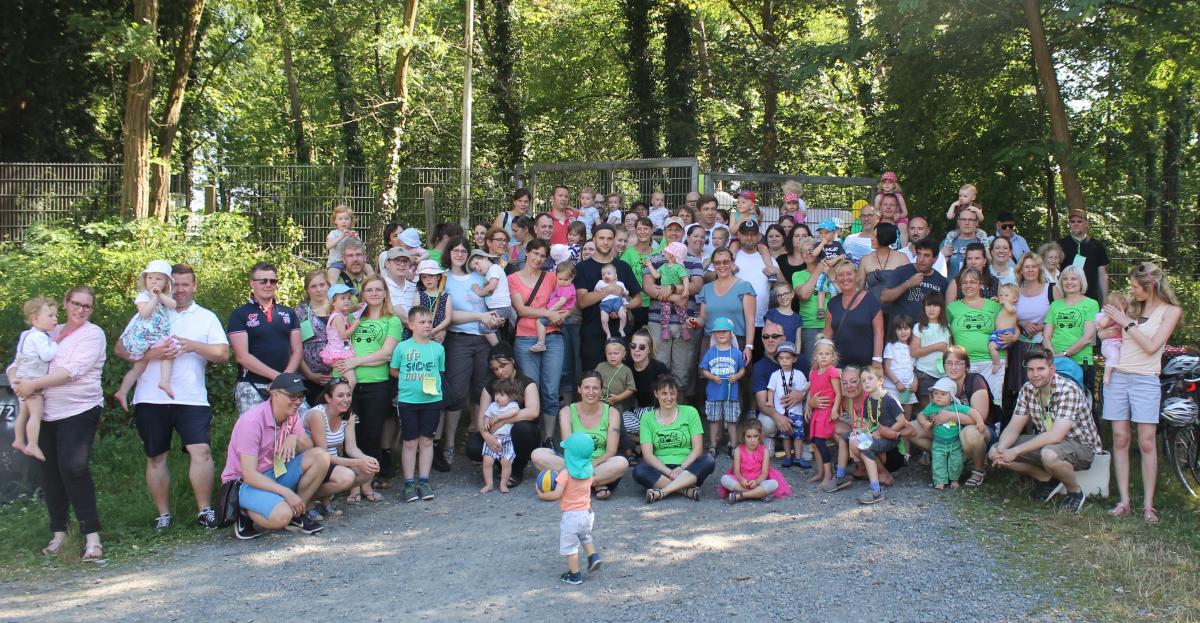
(1067, 402)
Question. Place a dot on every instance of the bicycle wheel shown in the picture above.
(1179, 446)
(1196, 455)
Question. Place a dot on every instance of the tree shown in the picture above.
(644, 123)
(500, 51)
(296, 111)
(398, 111)
(169, 126)
(679, 82)
(139, 89)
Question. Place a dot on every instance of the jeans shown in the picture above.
(702, 468)
(808, 337)
(66, 475)
(571, 370)
(544, 368)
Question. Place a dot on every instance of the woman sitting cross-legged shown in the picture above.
(673, 456)
(600, 422)
(331, 426)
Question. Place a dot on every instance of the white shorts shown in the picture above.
(574, 530)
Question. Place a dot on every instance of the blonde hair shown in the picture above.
(341, 209)
(1008, 287)
(793, 186)
(1078, 272)
(1118, 299)
(35, 305)
(1030, 256)
(970, 187)
(825, 342)
(1150, 276)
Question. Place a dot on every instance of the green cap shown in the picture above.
(577, 453)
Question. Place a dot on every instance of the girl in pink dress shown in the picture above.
(825, 381)
(752, 477)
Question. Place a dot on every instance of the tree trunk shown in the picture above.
(343, 92)
(136, 150)
(1151, 193)
(643, 113)
(1052, 232)
(1172, 140)
(303, 152)
(1054, 105)
(769, 153)
(189, 41)
(679, 82)
(706, 94)
(854, 35)
(387, 186)
(501, 54)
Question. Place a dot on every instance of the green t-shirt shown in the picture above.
(948, 432)
(632, 257)
(806, 308)
(671, 274)
(599, 433)
(368, 338)
(972, 328)
(435, 255)
(1069, 321)
(673, 442)
(416, 363)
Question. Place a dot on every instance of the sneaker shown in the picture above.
(440, 464)
(594, 562)
(410, 492)
(572, 578)
(1073, 502)
(163, 522)
(425, 490)
(245, 529)
(314, 516)
(207, 518)
(548, 443)
(305, 525)
(787, 462)
(1044, 489)
(713, 452)
(803, 464)
(843, 482)
(870, 497)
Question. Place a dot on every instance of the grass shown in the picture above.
(126, 511)
(1107, 569)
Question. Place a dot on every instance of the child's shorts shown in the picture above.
(340, 265)
(611, 306)
(506, 452)
(880, 447)
(418, 420)
(799, 426)
(575, 530)
(727, 411)
(902, 398)
(506, 314)
(999, 333)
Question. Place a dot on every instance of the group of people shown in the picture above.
(654, 332)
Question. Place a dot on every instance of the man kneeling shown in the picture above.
(279, 467)
(1066, 438)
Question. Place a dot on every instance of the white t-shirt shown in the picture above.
(402, 296)
(779, 384)
(659, 216)
(750, 269)
(604, 284)
(499, 298)
(902, 364)
(932, 334)
(187, 373)
(335, 253)
(494, 411)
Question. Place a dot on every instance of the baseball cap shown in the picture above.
(828, 225)
(749, 194)
(674, 220)
(1077, 212)
(396, 253)
(786, 347)
(722, 324)
(888, 176)
(747, 226)
(289, 382)
(339, 288)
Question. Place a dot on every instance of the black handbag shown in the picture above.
(228, 503)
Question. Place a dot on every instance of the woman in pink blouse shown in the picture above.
(74, 402)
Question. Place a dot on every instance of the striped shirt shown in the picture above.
(81, 354)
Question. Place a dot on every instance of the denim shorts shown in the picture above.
(1132, 397)
(611, 306)
(263, 502)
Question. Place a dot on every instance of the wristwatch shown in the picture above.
(1129, 325)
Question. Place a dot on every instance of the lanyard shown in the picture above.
(787, 385)
(728, 384)
(869, 414)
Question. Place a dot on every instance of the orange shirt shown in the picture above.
(577, 494)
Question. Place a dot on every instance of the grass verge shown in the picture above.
(1105, 568)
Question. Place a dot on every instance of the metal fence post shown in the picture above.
(430, 218)
(210, 198)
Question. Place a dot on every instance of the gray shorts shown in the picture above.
(1125, 398)
(575, 530)
(506, 314)
(879, 448)
(1071, 450)
(247, 395)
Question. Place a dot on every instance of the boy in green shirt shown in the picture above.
(947, 452)
(418, 364)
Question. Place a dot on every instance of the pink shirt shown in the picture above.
(255, 432)
(81, 354)
(527, 325)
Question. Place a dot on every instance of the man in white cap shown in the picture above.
(402, 289)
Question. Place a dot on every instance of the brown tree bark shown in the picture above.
(1172, 144)
(303, 152)
(706, 93)
(1054, 105)
(169, 127)
(135, 172)
(387, 194)
(500, 50)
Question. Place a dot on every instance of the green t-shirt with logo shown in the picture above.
(598, 433)
(1069, 322)
(368, 338)
(672, 442)
(972, 328)
(948, 432)
(807, 308)
(421, 367)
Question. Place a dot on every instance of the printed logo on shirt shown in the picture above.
(671, 438)
(722, 366)
(1069, 318)
(252, 320)
(285, 317)
(973, 320)
(370, 333)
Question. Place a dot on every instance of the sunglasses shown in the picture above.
(1007, 226)
(636, 346)
(772, 336)
(266, 281)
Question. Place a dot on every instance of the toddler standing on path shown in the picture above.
(574, 494)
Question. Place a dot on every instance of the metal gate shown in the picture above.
(674, 177)
(824, 196)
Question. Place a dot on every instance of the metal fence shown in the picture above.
(32, 192)
(674, 177)
(824, 197)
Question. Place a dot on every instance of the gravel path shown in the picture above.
(463, 556)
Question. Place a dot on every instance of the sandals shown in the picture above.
(93, 553)
(382, 485)
(692, 493)
(1120, 510)
(354, 498)
(373, 496)
(603, 492)
(976, 479)
(734, 497)
(653, 495)
(53, 548)
(1150, 515)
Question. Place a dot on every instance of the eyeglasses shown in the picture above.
(458, 250)
(83, 306)
(1007, 225)
(636, 346)
(295, 397)
(499, 238)
(266, 281)
(953, 363)
(772, 336)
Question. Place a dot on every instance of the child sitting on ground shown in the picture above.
(498, 444)
(150, 327)
(561, 299)
(947, 452)
(1110, 347)
(612, 305)
(573, 490)
(35, 349)
(1006, 323)
(752, 477)
(782, 382)
(494, 291)
(673, 275)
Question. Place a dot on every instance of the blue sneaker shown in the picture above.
(787, 462)
(594, 562)
(572, 578)
(802, 464)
